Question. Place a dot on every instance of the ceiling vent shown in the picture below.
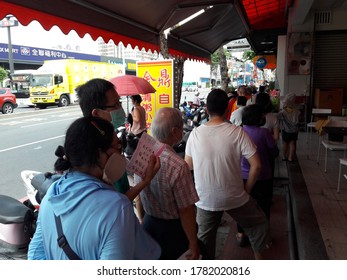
(323, 17)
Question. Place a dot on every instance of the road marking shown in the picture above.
(24, 115)
(32, 143)
(41, 123)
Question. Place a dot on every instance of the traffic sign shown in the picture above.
(8, 22)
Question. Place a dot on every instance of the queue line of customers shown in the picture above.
(180, 214)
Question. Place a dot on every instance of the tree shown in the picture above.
(225, 80)
(3, 74)
(219, 59)
(248, 55)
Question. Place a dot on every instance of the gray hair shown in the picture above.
(164, 121)
(242, 90)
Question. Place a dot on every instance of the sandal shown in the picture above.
(242, 240)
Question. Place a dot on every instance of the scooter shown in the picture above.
(128, 141)
(18, 217)
(194, 115)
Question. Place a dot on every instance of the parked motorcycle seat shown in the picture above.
(13, 211)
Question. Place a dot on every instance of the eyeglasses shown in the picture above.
(117, 105)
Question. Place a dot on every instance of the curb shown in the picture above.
(309, 239)
(34, 110)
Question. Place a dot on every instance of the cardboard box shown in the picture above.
(329, 99)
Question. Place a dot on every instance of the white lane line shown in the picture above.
(26, 115)
(32, 143)
(41, 123)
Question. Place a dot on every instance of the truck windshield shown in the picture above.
(21, 82)
(42, 80)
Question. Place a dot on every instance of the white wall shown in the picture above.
(301, 84)
(339, 21)
(281, 63)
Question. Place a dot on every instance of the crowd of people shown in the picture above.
(88, 213)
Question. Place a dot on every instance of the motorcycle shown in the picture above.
(194, 115)
(18, 217)
(128, 141)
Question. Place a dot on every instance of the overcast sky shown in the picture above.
(34, 35)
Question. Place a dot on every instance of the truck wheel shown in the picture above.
(7, 108)
(41, 106)
(63, 101)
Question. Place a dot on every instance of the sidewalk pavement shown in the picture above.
(309, 217)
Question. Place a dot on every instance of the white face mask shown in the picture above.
(114, 168)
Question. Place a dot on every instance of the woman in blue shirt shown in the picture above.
(98, 222)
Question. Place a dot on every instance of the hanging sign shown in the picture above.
(261, 62)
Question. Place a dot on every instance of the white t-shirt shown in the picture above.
(216, 152)
(236, 116)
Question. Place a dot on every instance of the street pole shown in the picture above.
(8, 22)
(10, 53)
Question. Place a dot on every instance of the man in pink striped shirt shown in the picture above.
(169, 200)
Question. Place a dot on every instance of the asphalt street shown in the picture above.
(29, 138)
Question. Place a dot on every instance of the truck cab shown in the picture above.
(50, 89)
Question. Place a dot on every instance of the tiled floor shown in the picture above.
(227, 247)
(330, 207)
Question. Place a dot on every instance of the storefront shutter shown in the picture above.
(330, 60)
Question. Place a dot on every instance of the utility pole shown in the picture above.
(9, 22)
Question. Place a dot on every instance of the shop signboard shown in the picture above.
(160, 75)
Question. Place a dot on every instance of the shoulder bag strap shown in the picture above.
(62, 242)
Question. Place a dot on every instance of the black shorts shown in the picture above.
(289, 136)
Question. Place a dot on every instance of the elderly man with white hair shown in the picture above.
(169, 201)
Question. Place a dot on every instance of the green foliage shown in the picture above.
(227, 54)
(3, 74)
(275, 103)
(215, 57)
(248, 55)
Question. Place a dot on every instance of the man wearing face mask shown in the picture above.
(169, 200)
(99, 98)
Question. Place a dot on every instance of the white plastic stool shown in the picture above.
(343, 161)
